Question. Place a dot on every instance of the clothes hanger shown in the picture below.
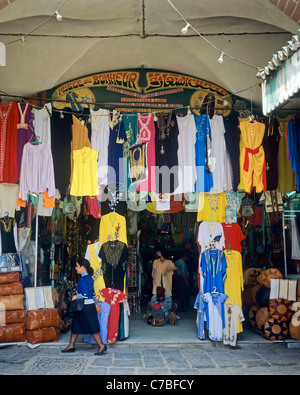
(214, 290)
(37, 141)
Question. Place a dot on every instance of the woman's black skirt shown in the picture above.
(86, 321)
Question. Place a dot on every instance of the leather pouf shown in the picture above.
(254, 291)
(275, 330)
(14, 333)
(250, 275)
(261, 317)
(252, 315)
(262, 296)
(294, 326)
(43, 335)
(280, 309)
(265, 277)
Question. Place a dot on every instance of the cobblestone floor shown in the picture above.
(121, 359)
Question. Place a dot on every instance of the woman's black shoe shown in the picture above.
(102, 352)
(69, 349)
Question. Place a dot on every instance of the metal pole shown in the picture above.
(284, 244)
(36, 243)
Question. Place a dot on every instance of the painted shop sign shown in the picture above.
(141, 91)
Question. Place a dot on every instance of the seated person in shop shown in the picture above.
(162, 272)
(160, 298)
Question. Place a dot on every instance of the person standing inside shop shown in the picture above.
(162, 271)
(86, 321)
(182, 281)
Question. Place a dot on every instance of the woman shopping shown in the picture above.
(86, 321)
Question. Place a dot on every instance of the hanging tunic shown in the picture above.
(234, 283)
(80, 139)
(215, 314)
(130, 123)
(85, 177)
(113, 227)
(233, 236)
(61, 137)
(271, 144)
(42, 123)
(211, 207)
(147, 133)
(114, 259)
(99, 141)
(92, 255)
(286, 176)
(253, 155)
(186, 154)
(212, 267)
(37, 174)
(293, 136)
(233, 318)
(166, 147)
(8, 199)
(114, 298)
(117, 137)
(232, 140)
(9, 239)
(24, 130)
(210, 233)
(233, 206)
(204, 180)
(218, 152)
(9, 118)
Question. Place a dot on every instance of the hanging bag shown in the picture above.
(77, 305)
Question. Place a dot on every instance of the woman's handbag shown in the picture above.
(77, 305)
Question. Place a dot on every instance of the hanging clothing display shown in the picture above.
(37, 174)
(166, 147)
(85, 175)
(253, 155)
(103, 323)
(92, 255)
(117, 137)
(294, 236)
(232, 140)
(113, 200)
(146, 142)
(9, 237)
(61, 137)
(210, 234)
(211, 207)
(272, 200)
(215, 313)
(233, 236)
(113, 227)
(286, 176)
(233, 317)
(186, 154)
(9, 118)
(113, 297)
(130, 123)
(138, 169)
(234, 282)
(99, 141)
(25, 132)
(271, 145)
(80, 139)
(293, 137)
(213, 268)
(8, 199)
(114, 255)
(42, 123)
(233, 206)
(204, 181)
(220, 175)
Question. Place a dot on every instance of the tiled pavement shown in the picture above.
(130, 360)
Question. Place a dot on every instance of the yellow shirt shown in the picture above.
(234, 282)
(113, 227)
(96, 264)
(85, 174)
(211, 207)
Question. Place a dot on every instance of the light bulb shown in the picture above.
(61, 115)
(58, 16)
(189, 110)
(225, 103)
(221, 58)
(155, 119)
(185, 29)
(23, 40)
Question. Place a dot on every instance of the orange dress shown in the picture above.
(253, 155)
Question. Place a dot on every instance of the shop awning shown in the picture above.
(282, 77)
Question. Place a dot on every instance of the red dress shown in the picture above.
(233, 236)
(9, 118)
(113, 297)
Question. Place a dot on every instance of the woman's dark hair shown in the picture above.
(84, 262)
(163, 250)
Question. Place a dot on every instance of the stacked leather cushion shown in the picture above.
(42, 326)
(12, 313)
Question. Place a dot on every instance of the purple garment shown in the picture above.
(37, 172)
(24, 130)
